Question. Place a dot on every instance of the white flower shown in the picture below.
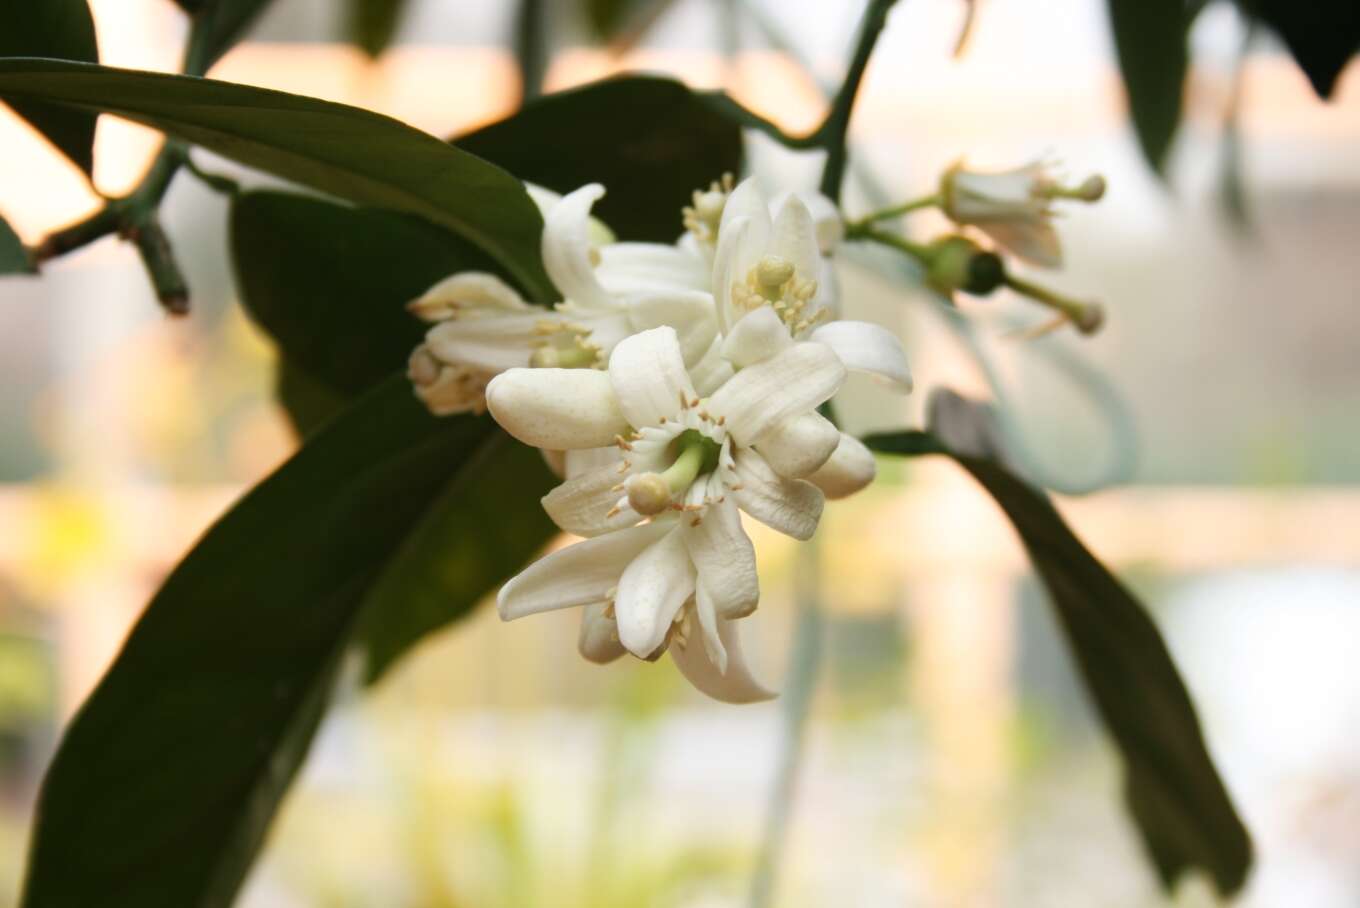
(690, 463)
(1014, 207)
(483, 326)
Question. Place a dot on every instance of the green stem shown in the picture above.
(927, 201)
(531, 52)
(154, 247)
(861, 230)
(832, 133)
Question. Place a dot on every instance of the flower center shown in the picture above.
(652, 493)
(567, 347)
(775, 282)
(704, 216)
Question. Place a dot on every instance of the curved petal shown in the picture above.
(734, 682)
(866, 347)
(648, 376)
(828, 225)
(567, 248)
(590, 504)
(795, 239)
(728, 270)
(790, 382)
(747, 201)
(798, 445)
(712, 370)
(850, 468)
(1034, 241)
(466, 290)
(756, 337)
(689, 312)
(560, 409)
(638, 267)
(576, 575)
(556, 462)
(494, 344)
(584, 460)
(652, 590)
(791, 506)
(725, 559)
(598, 640)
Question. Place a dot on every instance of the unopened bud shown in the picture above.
(1089, 318)
(958, 263)
(1092, 190)
(648, 493)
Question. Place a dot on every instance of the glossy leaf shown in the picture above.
(14, 258)
(347, 152)
(373, 23)
(62, 29)
(1182, 809)
(1322, 35)
(651, 141)
(1150, 40)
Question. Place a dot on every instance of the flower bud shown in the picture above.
(958, 263)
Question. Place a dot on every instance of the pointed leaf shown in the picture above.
(373, 23)
(348, 152)
(62, 29)
(1150, 40)
(1180, 804)
(1321, 34)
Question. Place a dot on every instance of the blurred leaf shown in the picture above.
(308, 401)
(1321, 34)
(348, 152)
(330, 283)
(225, 23)
(651, 141)
(14, 258)
(53, 28)
(373, 24)
(164, 784)
(1174, 792)
(531, 47)
(1150, 38)
(623, 22)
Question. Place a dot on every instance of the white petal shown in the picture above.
(583, 505)
(576, 575)
(637, 267)
(566, 248)
(795, 380)
(556, 462)
(544, 198)
(599, 637)
(467, 290)
(747, 201)
(653, 588)
(584, 460)
(797, 445)
(689, 312)
(648, 375)
(725, 559)
(757, 336)
(850, 468)
(795, 239)
(493, 344)
(791, 506)
(560, 409)
(729, 269)
(1034, 241)
(733, 684)
(826, 218)
(866, 347)
(712, 370)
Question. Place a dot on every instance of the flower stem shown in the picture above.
(863, 230)
(927, 201)
(831, 135)
(1086, 317)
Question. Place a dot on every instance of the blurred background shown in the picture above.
(951, 759)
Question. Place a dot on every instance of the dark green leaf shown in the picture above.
(651, 141)
(1321, 34)
(223, 24)
(1150, 38)
(1174, 792)
(623, 22)
(14, 258)
(330, 284)
(309, 402)
(53, 28)
(373, 23)
(348, 152)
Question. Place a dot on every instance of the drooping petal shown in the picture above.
(795, 239)
(790, 382)
(652, 590)
(567, 248)
(689, 312)
(725, 559)
(798, 445)
(464, 292)
(598, 640)
(494, 344)
(850, 468)
(643, 267)
(866, 347)
(1034, 241)
(576, 575)
(560, 409)
(791, 506)
(648, 376)
(590, 504)
(756, 337)
(733, 683)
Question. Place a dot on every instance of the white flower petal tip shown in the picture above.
(467, 293)
(798, 445)
(559, 409)
(790, 506)
(651, 593)
(756, 337)
(850, 468)
(598, 640)
(725, 560)
(795, 238)
(731, 683)
(965, 426)
(866, 347)
(648, 375)
(828, 224)
(568, 254)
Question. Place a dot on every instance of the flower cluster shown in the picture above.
(674, 387)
